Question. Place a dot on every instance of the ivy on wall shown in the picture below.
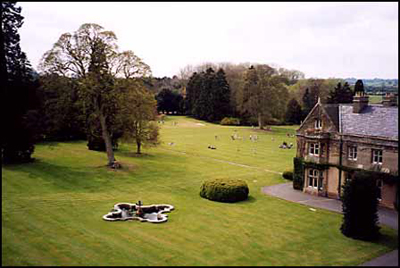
(300, 165)
(298, 173)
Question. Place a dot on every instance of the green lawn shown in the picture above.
(375, 99)
(52, 208)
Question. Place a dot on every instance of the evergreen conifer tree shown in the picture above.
(308, 103)
(221, 94)
(340, 94)
(360, 207)
(18, 90)
(293, 112)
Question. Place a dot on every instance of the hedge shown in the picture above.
(224, 190)
(298, 174)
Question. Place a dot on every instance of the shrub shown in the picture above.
(224, 190)
(274, 122)
(288, 175)
(98, 144)
(298, 174)
(229, 121)
(360, 207)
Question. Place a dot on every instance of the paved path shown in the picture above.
(389, 259)
(386, 216)
(285, 191)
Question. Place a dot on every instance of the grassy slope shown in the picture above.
(52, 208)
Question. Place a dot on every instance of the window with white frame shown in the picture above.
(314, 149)
(352, 153)
(318, 124)
(377, 156)
(315, 179)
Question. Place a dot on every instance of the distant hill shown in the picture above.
(377, 86)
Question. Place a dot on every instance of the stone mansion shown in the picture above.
(339, 137)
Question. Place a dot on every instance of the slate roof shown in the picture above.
(333, 112)
(374, 120)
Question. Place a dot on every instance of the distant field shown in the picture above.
(52, 208)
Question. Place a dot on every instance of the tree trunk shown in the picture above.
(139, 144)
(260, 121)
(107, 139)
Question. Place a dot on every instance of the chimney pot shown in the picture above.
(360, 101)
(389, 99)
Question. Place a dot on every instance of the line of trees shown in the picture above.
(170, 101)
(258, 94)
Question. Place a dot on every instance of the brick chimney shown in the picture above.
(390, 99)
(360, 101)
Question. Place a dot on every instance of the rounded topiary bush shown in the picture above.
(224, 190)
(288, 175)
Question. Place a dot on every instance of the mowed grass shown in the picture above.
(52, 208)
(375, 99)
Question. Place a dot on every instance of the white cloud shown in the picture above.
(320, 39)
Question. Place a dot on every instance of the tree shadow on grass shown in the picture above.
(250, 199)
(63, 177)
(134, 154)
(387, 240)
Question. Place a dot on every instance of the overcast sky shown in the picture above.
(320, 39)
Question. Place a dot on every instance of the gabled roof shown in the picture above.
(333, 112)
(330, 110)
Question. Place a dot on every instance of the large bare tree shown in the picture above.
(91, 55)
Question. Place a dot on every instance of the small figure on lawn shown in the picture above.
(139, 211)
(116, 165)
(283, 145)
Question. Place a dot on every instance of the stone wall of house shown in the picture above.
(333, 181)
(330, 138)
(364, 153)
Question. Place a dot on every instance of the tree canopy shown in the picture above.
(293, 112)
(19, 102)
(263, 95)
(208, 95)
(340, 94)
(91, 55)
